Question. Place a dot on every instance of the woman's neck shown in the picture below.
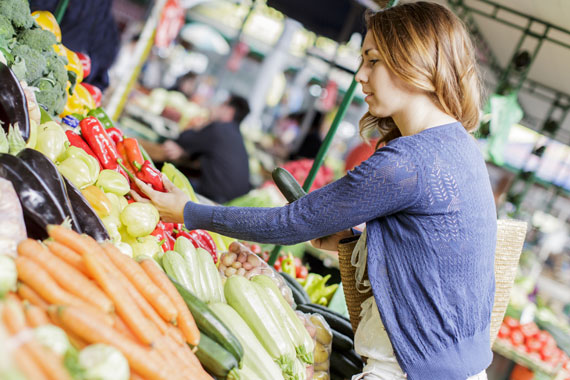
(420, 113)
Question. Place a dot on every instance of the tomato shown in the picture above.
(511, 322)
(255, 248)
(303, 272)
(546, 339)
(533, 344)
(504, 331)
(517, 338)
(529, 329)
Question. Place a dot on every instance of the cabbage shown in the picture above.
(53, 338)
(8, 274)
(102, 362)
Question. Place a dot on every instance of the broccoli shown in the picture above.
(56, 67)
(51, 96)
(35, 62)
(37, 39)
(6, 28)
(18, 12)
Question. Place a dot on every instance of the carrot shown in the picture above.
(85, 326)
(122, 328)
(27, 365)
(68, 277)
(185, 320)
(126, 307)
(67, 254)
(161, 349)
(51, 365)
(40, 281)
(79, 243)
(136, 376)
(144, 285)
(176, 335)
(36, 316)
(28, 294)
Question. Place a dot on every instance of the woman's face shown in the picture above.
(385, 92)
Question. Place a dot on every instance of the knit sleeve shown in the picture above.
(384, 184)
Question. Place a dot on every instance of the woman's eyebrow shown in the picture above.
(367, 51)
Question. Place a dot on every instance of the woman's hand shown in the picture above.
(330, 243)
(170, 205)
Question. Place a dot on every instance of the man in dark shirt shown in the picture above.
(217, 149)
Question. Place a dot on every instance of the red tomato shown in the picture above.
(533, 344)
(511, 322)
(303, 272)
(517, 338)
(255, 248)
(504, 331)
(529, 329)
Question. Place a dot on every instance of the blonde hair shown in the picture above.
(429, 48)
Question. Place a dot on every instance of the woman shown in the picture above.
(425, 197)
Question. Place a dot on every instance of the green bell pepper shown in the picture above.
(114, 182)
(51, 140)
(140, 219)
(78, 167)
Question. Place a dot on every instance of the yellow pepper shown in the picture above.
(98, 200)
(46, 20)
(81, 102)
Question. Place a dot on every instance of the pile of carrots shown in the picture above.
(98, 295)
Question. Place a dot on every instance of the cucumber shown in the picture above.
(215, 359)
(287, 184)
(341, 342)
(207, 321)
(296, 289)
(336, 321)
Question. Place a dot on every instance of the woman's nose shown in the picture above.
(360, 76)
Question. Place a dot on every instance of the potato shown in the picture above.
(321, 376)
(323, 335)
(321, 354)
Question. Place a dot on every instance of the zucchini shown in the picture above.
(208, 322)
(243, 297)
(296, 287)
(217, 360)
(255, 357)
(175, 266)
(210, 277)
(185, 248)
(287, 184)
(336, 321)
(294, 328)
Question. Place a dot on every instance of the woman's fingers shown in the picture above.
(138, 198)
(168, 185)
(146, 189)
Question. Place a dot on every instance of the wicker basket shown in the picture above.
(510, 239)
(348, 277)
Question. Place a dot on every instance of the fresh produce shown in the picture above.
(12, 228)
(77, 141)
(336, 321)
(179, 180)
(255, 358)
(103, 362)
(211, 280)
(15, 140)
(52, 140)
(100, 143)
(47, 21)
(287, 184)
(210, 324)
(176, 267)
(242, 296)
(8, 275)
(299, 169)
(217, 360)
(140, 219)
(13, 105)
(52, 337)
(299, 294)
(299, 336)
(37, 202)
(315, 286)
(112, 182)
(189, 274)
(52, 179)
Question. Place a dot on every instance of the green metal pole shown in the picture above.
(60, 10)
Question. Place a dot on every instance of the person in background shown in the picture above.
(426, 198)
(214, 157)
(88, 27)
(313, 140)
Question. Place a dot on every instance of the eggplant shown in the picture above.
(52, 179)
(37, 201)
(88, 220)
(13, 104)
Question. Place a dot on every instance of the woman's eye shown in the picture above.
(373, 61)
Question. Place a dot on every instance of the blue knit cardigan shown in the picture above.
(431, 233)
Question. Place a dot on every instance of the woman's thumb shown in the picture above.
(168, 185)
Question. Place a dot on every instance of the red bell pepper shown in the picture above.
(165, 238)
(101, 144)
(95, 93)
(131, 178)
(76, 140)
(149, 175)
(170, 238)
(208, 242)
(115, 134)
(85, 63)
